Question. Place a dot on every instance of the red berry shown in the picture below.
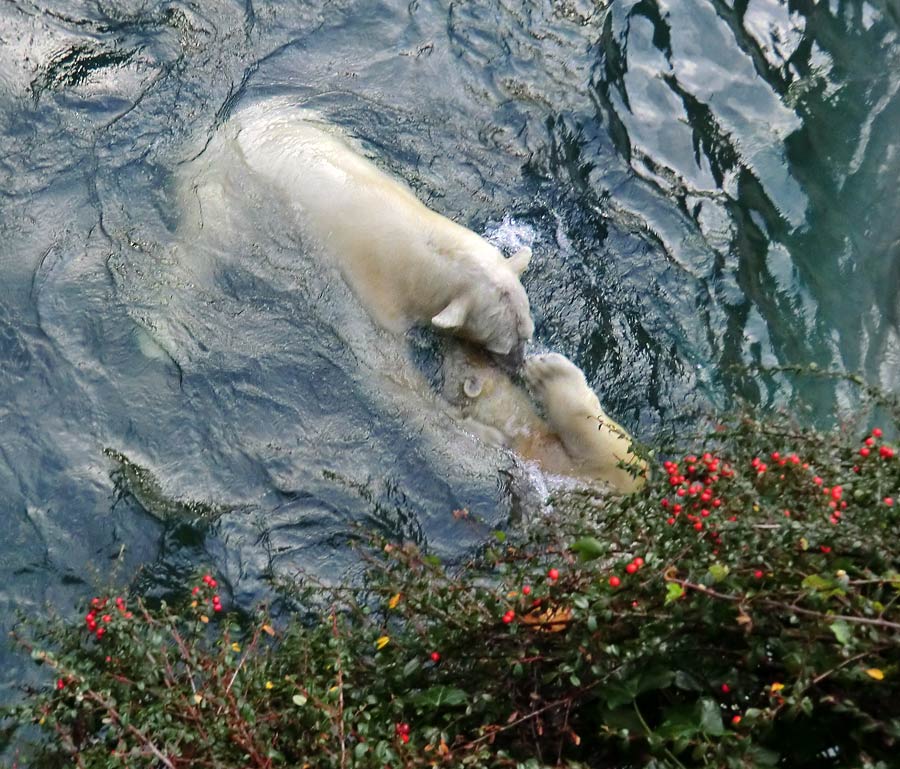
(435, 657)
(704, 513)
(817, 480)
(825, 549)
(100, 632)
(405, 738)
(508, 617)
(639, 562)
(677, 509)
(60, 684)
(877, 432)
(886, 452)
(735, 720)
(631, 568)
(526, 590)
(864, 452)
(664, 503)
(614, 581)
(670, 521)
(869, 441)
(889, 501)
(698, 526)
(758, 574)
(553, 574)
(725, 688)
(217, 607)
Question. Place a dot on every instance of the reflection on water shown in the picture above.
(705, 182)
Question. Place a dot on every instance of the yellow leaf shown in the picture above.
(270, 685)
(776, 687)
(395, 599)
(198, 698)
(552, 620)
(204, 619)
(268, 629)
(875, 673)
(382, 642)
(235, 647)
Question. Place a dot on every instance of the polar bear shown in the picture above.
(407, 264)
(576, 438)
(596, 444)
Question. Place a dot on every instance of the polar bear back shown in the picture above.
(406, 263)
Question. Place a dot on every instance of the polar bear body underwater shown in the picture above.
(407, 264)
(574, 437)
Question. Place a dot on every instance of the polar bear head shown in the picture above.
(493, 309)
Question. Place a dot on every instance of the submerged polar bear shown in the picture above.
(576, 438)
(407, 264)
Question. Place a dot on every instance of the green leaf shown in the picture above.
(440, 696)
(411, 667)
(815, 582)
(679, 721)
(653, 678)
(718, 572)
(710, 717)
(589, 548)
(842, 632)
(500, 536)
(618, 694)
(688, 682)
(763, 757)
(673, 592)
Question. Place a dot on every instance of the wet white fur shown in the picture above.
(408, 265)
(575, 437)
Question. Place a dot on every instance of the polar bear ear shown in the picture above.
(519, 260)
(453, 316)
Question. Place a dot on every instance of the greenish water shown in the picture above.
(705, 183)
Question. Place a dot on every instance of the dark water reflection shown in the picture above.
(705, 183)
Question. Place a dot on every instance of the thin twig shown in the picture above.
(340, 683)
(136, 732)
(883, 623)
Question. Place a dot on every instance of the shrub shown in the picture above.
(741, 611)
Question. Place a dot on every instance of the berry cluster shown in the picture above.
(98, 619)
(211, 585)
(402, 731)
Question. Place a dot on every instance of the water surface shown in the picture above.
(705, 183)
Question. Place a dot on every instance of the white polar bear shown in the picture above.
(576, 439)
(407, 264)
